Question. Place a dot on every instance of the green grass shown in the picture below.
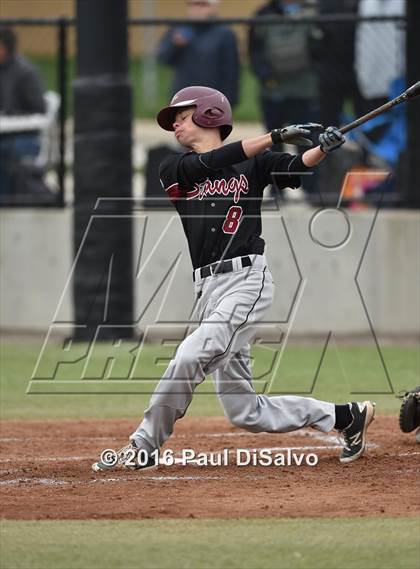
(247, 110)
(345, 370)
(367, 543)
(356, 543)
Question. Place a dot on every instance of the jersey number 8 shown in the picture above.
(232, 220)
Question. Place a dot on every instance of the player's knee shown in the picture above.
(247, 422)
(237, 421)
(189, 362)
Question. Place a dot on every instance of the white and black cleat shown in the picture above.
(355, 434)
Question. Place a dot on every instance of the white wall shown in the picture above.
(36, 258)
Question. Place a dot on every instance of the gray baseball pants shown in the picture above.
(229, 307)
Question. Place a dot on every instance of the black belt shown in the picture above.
(221, 267)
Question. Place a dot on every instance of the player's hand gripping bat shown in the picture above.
(295, 134)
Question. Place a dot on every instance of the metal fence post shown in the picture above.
(413, 115)
(103, 235)
(62, 78)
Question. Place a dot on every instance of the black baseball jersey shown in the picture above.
(218, 196)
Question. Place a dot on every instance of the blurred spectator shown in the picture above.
(202, 54)
(379, 69)
(381, 76)
(384, 141)
(333, 55)
(280, 58)
(21, 94)
(379, 50)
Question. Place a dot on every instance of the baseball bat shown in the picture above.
(410, 93)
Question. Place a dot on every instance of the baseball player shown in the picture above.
(217, 190)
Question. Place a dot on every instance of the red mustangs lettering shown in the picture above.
(234, 186)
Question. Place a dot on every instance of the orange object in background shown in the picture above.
(357, 182)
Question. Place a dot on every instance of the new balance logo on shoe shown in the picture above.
(355, 434)
(355, 439)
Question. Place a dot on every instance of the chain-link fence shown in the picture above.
(307, 67)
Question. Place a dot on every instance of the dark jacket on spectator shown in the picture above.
(21, 91)
(333, 48)
(210, 59)
(268, 47)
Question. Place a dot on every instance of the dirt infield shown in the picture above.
(46, 474)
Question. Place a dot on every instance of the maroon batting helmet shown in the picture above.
(212, 109)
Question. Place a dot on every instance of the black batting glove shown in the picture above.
(331, 139)
(295, 134)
